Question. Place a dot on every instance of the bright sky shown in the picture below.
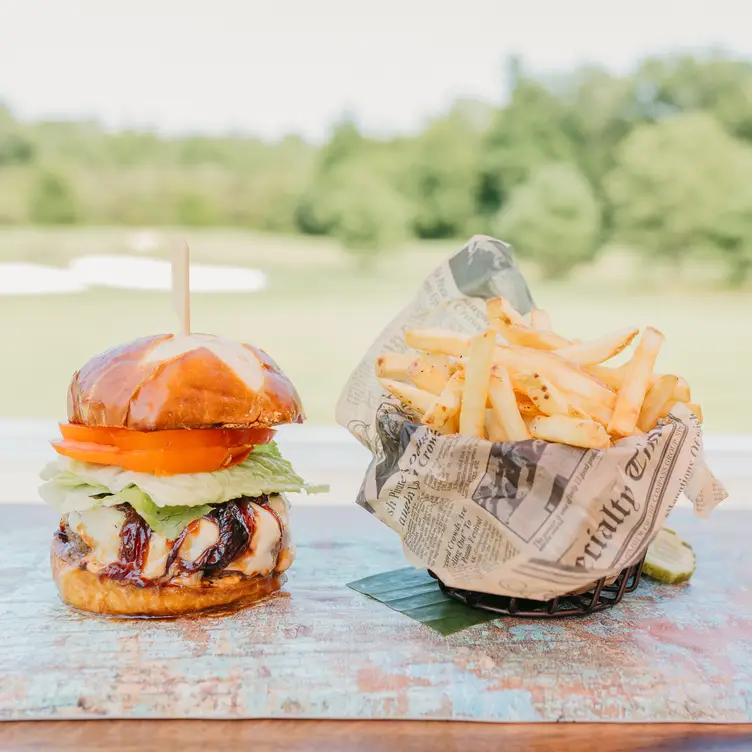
(276, 66)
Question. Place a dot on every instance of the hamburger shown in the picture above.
(169, 484)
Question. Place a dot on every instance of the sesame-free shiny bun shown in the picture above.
(176, 381)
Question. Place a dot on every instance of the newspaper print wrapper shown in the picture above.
(530, 519)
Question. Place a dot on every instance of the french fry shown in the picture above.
(425, 376)
(566, 376)
(542, 393)
(612, 377)
(668, 407)
(390, 365)
(539, 384)
(598, 350)
(438, 341)
(540, 320)
(672, 403)
(656, 398)
(475, 393)
(418, 399)
(578, 412)
(581, 407)
(573, 431)
(696, 409)
(504, 404)
(524, 404)
(591, 409)
(445, 365)
(448, 404)
(494, 430)
(681, 391)
(450, 427)
(636, 383)
(525, 336)
(497, 308)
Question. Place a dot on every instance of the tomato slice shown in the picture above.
(167, 461)
(126, 438)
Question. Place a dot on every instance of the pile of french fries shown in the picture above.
(519, 380)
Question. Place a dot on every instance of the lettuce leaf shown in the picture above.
(166, 521)
(168, 502)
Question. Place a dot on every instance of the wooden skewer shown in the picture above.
(181, 286)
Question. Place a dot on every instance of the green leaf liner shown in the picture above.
(416, 594)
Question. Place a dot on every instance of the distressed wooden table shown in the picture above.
(321, 651)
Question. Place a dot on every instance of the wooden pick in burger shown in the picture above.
(181, 287)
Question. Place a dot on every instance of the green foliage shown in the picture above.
(278, 187)
(673, 181)
(442, 177)
(603, 109)
(52, 201)
(314, 215)
(732, 235)
(553, 219)
(658, 158)
(345, 144)
(14, 192)
(528, 133)
(16, 148)
(195, 209)
(356, 204)
(717, 85)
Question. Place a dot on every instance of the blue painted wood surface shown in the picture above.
(321, 650)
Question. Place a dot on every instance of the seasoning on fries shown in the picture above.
(520, 379)
(447, 407)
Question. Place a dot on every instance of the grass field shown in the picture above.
(320, 313)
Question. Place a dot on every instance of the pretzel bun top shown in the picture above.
(171, 381)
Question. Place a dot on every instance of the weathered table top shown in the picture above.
(323, 651)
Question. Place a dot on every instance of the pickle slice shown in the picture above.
(669, 559)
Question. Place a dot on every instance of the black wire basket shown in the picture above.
(600, 597)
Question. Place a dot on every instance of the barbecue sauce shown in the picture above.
(236, 521)
(134, 548)
(175, 550)
(235, 532)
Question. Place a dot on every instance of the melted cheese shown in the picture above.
(156, 559)
(287, 549)
(261, 555)
(281, 506)
(100, 530)
(205, 534)
(267, 551)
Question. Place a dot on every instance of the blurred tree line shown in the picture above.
(658, 159)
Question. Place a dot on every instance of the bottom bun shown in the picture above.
(97, 594)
